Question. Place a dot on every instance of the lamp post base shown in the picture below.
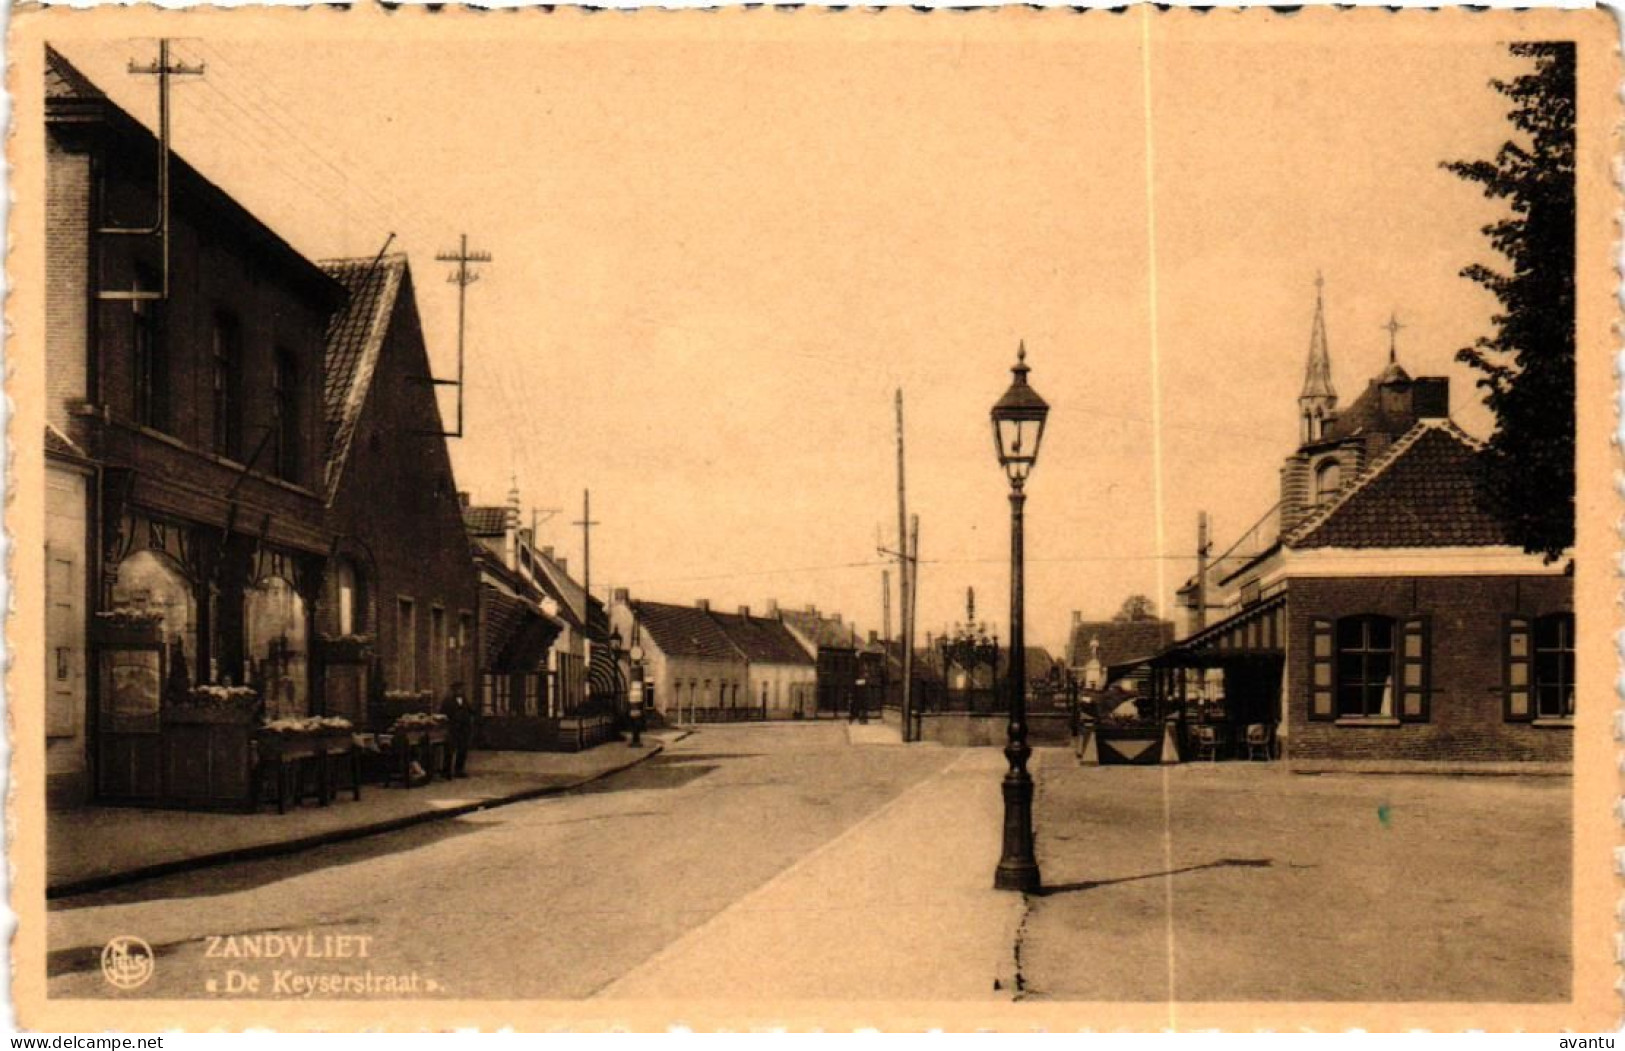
(1018, 867)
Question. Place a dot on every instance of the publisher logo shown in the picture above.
(127, 962)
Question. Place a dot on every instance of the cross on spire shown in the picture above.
(1392, 328)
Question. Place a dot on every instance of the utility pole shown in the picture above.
(163, 69)
(904, 576)
(462, 277)
(586, 523)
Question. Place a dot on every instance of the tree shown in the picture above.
(1136, 607)
(1527, 363)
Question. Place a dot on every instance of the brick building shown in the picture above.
(1389, 620)
(400, 579)
(185, 349)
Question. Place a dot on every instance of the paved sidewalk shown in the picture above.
(1241, 881)
(901, 905)
(93, 848)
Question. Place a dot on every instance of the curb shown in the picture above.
(259, 851)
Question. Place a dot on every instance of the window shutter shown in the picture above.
(1414, 659)
(1322, 660)
(1517, 689)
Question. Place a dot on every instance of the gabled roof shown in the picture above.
(355, 338)
(63, 81)
(683, 631)
(1422, 492)
(1121, 641)
(819, 631)
(486, 521)
(762, 640)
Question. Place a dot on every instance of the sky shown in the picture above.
(717, 256)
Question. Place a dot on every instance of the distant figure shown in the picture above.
(461, 719)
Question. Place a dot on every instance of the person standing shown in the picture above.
(460, 717)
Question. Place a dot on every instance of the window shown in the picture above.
(406, 649)
(349, 595)
(437, 651)
(149, 362)
(1328, 480)
(226, 366)
(1365, 667)
(285, 449)
(1554, 666)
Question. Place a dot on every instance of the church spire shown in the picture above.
(1318, 401)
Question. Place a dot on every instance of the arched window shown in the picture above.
(149, 580)
(1554, 666)
(277, 649)
(1365, 667)
(1328, 480)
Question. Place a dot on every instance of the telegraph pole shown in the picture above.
(163, 69)
(586, 523)
(904, 576)
(462, 277)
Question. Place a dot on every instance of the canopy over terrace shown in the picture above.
(1230, 673)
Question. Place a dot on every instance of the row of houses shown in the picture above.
(703, 664)
(245, 458)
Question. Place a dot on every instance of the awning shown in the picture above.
(1258, 631)
(604, 678)
(526, 649)
(515, 632)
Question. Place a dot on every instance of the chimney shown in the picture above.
(462, 499)
(773, 607)
(874, 636)
(620, 597)
(1430, 397)
(744, 611)
(564, 565)
(547, 552)
(703, 605)
(836, 617)
(1077, 617)
(812, 609)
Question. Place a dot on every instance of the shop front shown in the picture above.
(201, 639)
(1224, 685)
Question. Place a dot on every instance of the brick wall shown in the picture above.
(397, 500)
(1466, 720)
(67, 266)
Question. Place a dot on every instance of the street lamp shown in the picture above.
(1018, 427)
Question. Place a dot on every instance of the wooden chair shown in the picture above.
(1258, 741)
(1207, 743)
